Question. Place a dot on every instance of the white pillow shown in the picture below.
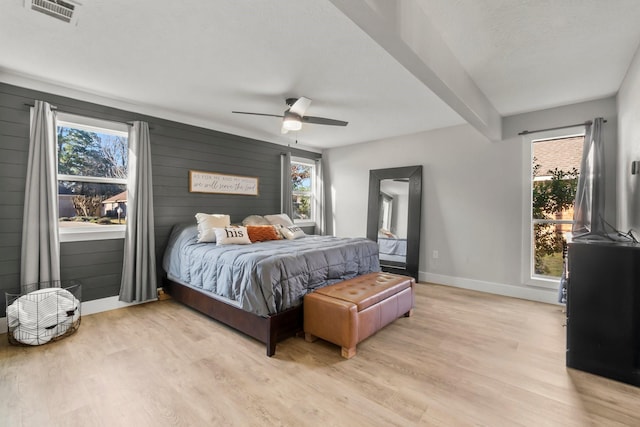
(207, 223)
(255, 220)
(292, 232)
(232, 236)
(279, 219)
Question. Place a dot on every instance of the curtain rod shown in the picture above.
(587, 123)
(54, 107)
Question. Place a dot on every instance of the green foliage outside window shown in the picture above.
(301, 180)
(301, 177)
(85, 153)
(89, 154)
(550, 198)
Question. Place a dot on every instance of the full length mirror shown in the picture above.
(393, 220)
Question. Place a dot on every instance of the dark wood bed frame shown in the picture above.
(269, 330)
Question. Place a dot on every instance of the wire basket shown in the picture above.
(43, 312)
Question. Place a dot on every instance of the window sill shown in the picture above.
(83, 234)
(541, 282)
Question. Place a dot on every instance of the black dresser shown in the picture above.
(603, 310)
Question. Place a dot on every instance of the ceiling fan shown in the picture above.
(293, 117)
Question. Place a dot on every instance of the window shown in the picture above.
(303, 184)
(92, 178)
(554, 167)
(386, 210)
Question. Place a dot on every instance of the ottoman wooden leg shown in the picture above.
(348, 353)
(409, 313)
(309, 337)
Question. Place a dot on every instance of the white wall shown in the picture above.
(629, 149)
(472, 196)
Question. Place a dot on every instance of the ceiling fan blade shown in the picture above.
(323, 121)
(300, 106)
(257, 114)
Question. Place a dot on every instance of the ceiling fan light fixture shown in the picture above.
(296, 114)
(291, 121)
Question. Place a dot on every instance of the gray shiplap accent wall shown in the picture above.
(176, 148)
(97, 264)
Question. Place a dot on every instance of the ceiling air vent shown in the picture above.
(56, 8)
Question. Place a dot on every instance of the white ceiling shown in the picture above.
(196, 61)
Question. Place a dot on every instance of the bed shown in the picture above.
(393, 249)
(258, 288)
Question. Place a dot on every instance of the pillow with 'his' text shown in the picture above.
(292, 232)
(232, 236)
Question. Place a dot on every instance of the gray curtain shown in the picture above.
(287, 187)
(40, 256)
(319, 201)
(588, 213)
(139, 268)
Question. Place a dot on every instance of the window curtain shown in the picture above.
(319, 199)
(40, 255)
(139, 267)
(588, 213)
(286, 198)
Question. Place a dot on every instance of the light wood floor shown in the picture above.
(464, 358)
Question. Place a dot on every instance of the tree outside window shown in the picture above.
(303, 180)
(555, 167)
(92, 174)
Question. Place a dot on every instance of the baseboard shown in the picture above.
(89, 307)
(524, 292)
(104, 304)
(549, 296)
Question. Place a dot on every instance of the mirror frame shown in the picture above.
(414, 174)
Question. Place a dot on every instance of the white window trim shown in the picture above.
(312, 221)
(82, 234)
(89, 124)
(527, 230)
(63, 177)
(92, 125)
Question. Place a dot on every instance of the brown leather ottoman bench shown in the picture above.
(346, 313)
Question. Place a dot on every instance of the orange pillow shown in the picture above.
(262, 233)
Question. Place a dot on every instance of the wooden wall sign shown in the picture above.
(209, 182)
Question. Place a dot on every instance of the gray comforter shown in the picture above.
(392, 246)
(267, 277)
